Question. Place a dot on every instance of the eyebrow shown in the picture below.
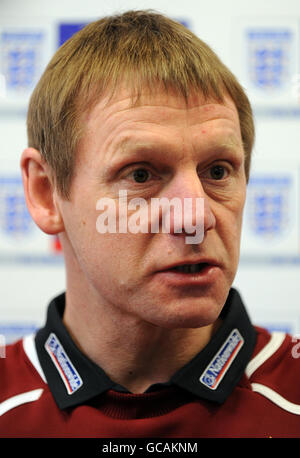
(231, 144)
(134, 146)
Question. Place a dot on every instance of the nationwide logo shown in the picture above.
(222, 360)
(63, 364)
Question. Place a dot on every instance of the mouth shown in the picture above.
(191, 273)
(190, 268)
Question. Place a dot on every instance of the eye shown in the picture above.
(217, 172)
(141, 175)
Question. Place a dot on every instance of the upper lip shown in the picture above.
(210, 261)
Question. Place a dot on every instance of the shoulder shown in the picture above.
(18, 370)
(274, 369)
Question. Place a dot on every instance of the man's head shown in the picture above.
(137, 49)
(138, 103)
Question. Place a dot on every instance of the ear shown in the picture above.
(40, 194)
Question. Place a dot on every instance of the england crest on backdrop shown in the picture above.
(15, 220)
(21, 58)
(269, 58)
(268, 209)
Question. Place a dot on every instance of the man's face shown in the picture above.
(158, 148)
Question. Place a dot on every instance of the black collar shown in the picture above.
(212, 375)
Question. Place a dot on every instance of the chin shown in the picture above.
(195, 314)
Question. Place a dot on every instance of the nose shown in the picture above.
(193, 213)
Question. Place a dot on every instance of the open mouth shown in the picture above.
(190, 268)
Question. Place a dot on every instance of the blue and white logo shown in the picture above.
(63, 364)
(15, 219)
(269, 57)
(21, 56)
(268, 205)
(222, 360)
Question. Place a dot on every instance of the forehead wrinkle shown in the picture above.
(128, 140)
(163, 100)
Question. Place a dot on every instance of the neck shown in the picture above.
(133, 353)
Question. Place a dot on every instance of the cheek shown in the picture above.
(113, 257)
(100, 255)
(229, 220)
(115, 269)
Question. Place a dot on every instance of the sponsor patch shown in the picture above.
(63, 364)
(222, 360)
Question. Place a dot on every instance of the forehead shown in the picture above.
(137, 93)
(123, 98)
(158, 113)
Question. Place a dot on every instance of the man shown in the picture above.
(149, 339)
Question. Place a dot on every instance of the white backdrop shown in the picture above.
(260, 42)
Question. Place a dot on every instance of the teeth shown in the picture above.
(189, 268)
(194, 268)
